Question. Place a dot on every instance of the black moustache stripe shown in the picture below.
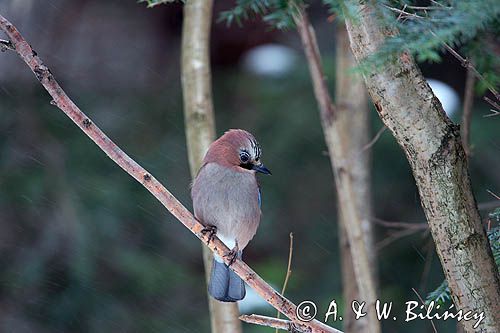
(248, 166)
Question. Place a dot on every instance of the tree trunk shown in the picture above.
(200, 126)
(434, 150)
(343, 160)
(353, 117)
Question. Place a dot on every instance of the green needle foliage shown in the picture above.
(278, 13)
(441, 295)
(422, 31)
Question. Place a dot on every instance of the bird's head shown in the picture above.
(237, 149)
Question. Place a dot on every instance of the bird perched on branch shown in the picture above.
(226, 198)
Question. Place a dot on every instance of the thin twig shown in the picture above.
(375, 139)
(428, 263)
(437, 3)
(400, 16)
(365, 147)
(288, 271)
(401, 225)
(488, 205)
(492, 114)
(394, 237)
(403, 12)
(493, 194)
(467, 64)
(289, 266)
(422, 301)
(495, 105)
(310, 45)
(492, 103)
(63, 102)
(428, 7)
(279, 324)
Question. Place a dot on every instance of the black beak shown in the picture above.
(262, 169)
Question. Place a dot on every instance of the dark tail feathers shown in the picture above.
(224, 284)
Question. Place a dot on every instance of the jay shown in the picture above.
(226, 198)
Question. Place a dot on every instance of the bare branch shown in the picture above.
(492, 114)
(279, 324)
(488, 205)
(344, 182)
(289, 266)
(394, 237)
(406, 229)
(495, 105)
(308, 38)
(429, 7)
(493, 194)
(467, 64)
(492, 103)
(402, 13)
(400, 225)
(428, 264)
(425, 305)
(437, 3)
(63, 102)
(375, 139)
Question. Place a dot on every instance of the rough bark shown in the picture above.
(149, 182)
(343, 161)
(200, 126)
(352, 122)
(434, 150)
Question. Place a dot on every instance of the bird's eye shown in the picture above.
(244, 157)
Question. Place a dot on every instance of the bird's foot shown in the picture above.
(233, 254)
(211, 230)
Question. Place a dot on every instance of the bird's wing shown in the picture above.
(260, 196)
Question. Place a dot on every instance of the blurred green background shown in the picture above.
(84, 248)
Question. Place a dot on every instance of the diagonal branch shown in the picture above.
(63, 102)
(495, 105)
(466, 63)
(279, 324)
